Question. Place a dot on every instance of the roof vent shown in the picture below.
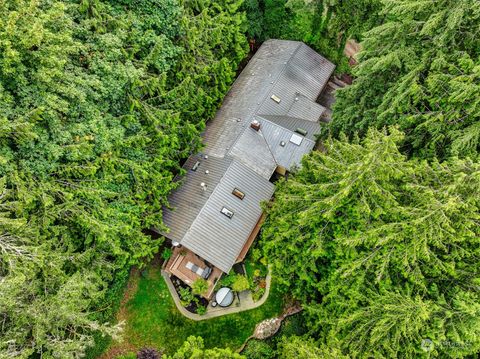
(228, 213)
(301, 131)
(203, 185)
(275, 98)
(237, 193)
(195, 166)
(255, 125)
(207, 172)
(206, 156)
(296, 139)
(282, 143)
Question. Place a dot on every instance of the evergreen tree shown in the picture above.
(295, 347)
(193, 348)
(100, 101)
(420, 70)
(383, 251)
(324, 25)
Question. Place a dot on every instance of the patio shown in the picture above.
(242, 302)
(188, 267)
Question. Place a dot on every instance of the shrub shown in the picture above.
(166, 254)
(186, 296)
(258, 349)
(148, 353)
(228, 280)
(200, 286)
(240, 283)
(258, 294)
(201, 310)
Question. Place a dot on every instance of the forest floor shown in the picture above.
(152, 319)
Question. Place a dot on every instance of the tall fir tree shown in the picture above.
(383, 251)
(100, 101)
(420, 70)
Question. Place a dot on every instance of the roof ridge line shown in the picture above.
(286, 129)
(266, 142)
(280, 73)
(238, 138)
(294, 117)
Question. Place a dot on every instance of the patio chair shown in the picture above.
(206, 273)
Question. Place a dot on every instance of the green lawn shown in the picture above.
(154, 321)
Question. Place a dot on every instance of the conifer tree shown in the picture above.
(100, 101)
(383, 251)
(420, 70)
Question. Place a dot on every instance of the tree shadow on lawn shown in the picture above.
(154, 321)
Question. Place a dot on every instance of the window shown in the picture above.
(227, 212)
(237, 193)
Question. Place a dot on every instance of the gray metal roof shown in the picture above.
(188, 199)
(252, 149)
(306, 109)
(244, 97)
(239, 156)
(293, 123)
(220, 239)
(290, 154)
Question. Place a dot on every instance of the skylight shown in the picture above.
(227, 212)
(237, 193)
(296, 139)
(275, 98)
(195, 166)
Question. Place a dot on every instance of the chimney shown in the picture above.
(255, 125)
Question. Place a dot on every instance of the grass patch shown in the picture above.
(154, 321)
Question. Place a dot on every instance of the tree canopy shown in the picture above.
(420, 70)
(378, 236)
(382, 250)
(324, 25)
(99, 103)
(193, 348)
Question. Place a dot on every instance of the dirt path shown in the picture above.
(115, 349)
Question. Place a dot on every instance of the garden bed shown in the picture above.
(191, 302)
(257, 275)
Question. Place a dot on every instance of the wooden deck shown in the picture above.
(177, 266)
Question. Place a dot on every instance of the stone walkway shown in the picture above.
(241, 303)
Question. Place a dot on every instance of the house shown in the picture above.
(267, 122)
